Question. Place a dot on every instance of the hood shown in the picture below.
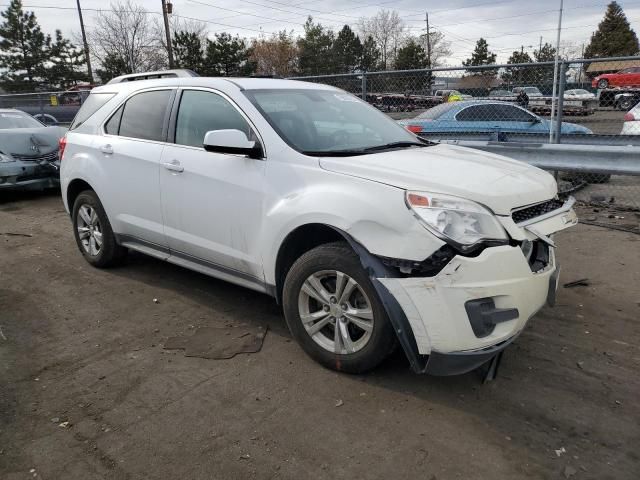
(497, 182)
(30, 141)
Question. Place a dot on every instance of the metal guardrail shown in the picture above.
(600, 159)
(510, 137)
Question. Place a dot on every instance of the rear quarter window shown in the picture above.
(91, 105)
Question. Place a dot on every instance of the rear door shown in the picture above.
(131, 147)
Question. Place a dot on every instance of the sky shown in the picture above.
(507, 25)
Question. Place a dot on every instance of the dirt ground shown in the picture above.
(85, 346)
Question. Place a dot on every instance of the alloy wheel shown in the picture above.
(336, 312)
(89, 229)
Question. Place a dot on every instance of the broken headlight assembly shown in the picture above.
(5, 158)
(459, 222)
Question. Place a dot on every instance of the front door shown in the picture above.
(212, 203)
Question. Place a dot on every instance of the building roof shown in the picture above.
(612, 65)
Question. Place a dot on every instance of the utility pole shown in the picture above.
(165, 14)
(540, 47)
(86, 45)
(428, 40)
(555, 73)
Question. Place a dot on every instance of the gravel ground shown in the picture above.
(85, 346)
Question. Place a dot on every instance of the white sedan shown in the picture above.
(631, 125)
(578, 94)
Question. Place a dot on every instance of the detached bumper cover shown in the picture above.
(29, 175)
(436, 307)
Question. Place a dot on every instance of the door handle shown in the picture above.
(107, 149)
(174, 166)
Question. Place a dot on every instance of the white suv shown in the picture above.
(367, 235)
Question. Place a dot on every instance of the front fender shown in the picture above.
(373, 214)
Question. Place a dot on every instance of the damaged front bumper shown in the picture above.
(474, 307)
(29, 175)
(469, 311)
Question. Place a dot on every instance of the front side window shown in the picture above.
(201, 112)
(319, 122)
(144, 115)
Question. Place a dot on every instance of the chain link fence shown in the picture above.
(51, 108)
(595, 103)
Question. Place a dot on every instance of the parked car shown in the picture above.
(578, 94)
(629, 77)
(446, 95)
(530, 91)
(631, 125)
(483, 116)
(367, 235)
(28, 152)
(501, 93)
(624, 101)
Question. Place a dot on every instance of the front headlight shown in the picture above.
(455, 219)
(5, 158)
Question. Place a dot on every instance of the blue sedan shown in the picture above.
(483, 116)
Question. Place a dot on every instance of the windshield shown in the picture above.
(327, 121)
(18, 120)
(531, 90)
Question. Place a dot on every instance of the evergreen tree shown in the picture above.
(481, 56)
(543, 74)
(316, 50)
(411, 56)
(227, 56)
(614, 36)
(24, 49)
(370, 59)
(67, 64)
(518, 74)
(347, 50)
(187, 50)
(113, 65)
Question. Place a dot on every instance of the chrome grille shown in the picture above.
(537, 210)
(44, 157)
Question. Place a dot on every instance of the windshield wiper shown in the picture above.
(386, 146)
(334, 153)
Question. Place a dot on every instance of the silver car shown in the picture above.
(28, 152)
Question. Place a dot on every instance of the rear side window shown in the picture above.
(201, 112)
(144, 115)
(113, 125)
(91, 105)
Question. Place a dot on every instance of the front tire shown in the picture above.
(604, 83)
(333, 310)
(93, 232)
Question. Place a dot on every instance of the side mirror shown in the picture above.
(231, 141)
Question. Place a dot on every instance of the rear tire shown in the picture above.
(93, 232)
(333, 310)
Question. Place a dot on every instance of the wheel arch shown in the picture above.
(75, 187)
(299, 241)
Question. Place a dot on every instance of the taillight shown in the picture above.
(414, 128)
(62, 143)
(629, 117)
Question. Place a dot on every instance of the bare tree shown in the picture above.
(275, 55)
(389, 32)
(440, 48)
(124, 35)
(178, 24)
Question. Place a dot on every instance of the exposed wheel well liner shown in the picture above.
(298, 242)
(74, 189)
